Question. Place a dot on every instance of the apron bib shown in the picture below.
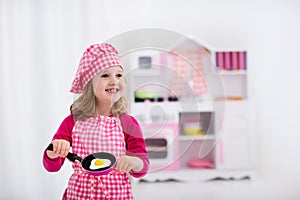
(96, 134)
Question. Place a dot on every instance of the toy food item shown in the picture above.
(193, 128)
(201, 164)
(99, 163)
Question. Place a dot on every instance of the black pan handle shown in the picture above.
(71, 156)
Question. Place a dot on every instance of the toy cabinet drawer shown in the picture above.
(235, 153)
(237, 118)
(236, 121)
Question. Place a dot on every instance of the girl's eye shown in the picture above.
(104, 75)
(119, 75)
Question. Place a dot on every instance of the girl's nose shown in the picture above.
(113, 80)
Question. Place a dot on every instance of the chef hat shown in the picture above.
(95, 58)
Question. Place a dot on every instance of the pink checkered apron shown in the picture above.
(93, 135)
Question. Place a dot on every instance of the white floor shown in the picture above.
(280, 188)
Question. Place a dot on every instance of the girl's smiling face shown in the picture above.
(109, 85)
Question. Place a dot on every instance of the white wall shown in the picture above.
(42, 41)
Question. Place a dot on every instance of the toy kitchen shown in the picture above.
(170, 97)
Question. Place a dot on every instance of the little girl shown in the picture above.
(99, 122)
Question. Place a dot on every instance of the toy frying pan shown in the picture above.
(106, 162)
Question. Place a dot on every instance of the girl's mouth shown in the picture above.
(112, 91)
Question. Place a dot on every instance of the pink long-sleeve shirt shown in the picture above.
(135, 143)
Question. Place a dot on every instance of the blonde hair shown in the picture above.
(84, 106)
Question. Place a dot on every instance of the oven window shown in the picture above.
(157, 148)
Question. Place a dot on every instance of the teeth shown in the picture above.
(112, 90)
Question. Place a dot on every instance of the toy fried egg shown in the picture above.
(99, 163)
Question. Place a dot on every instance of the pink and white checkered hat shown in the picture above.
(95, 58)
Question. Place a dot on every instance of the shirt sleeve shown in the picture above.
(135, 143)
(64, 132)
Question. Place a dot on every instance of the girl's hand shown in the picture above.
(127, 163)
(60, 148)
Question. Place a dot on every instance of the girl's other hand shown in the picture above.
(127, 163)
(60, 148)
